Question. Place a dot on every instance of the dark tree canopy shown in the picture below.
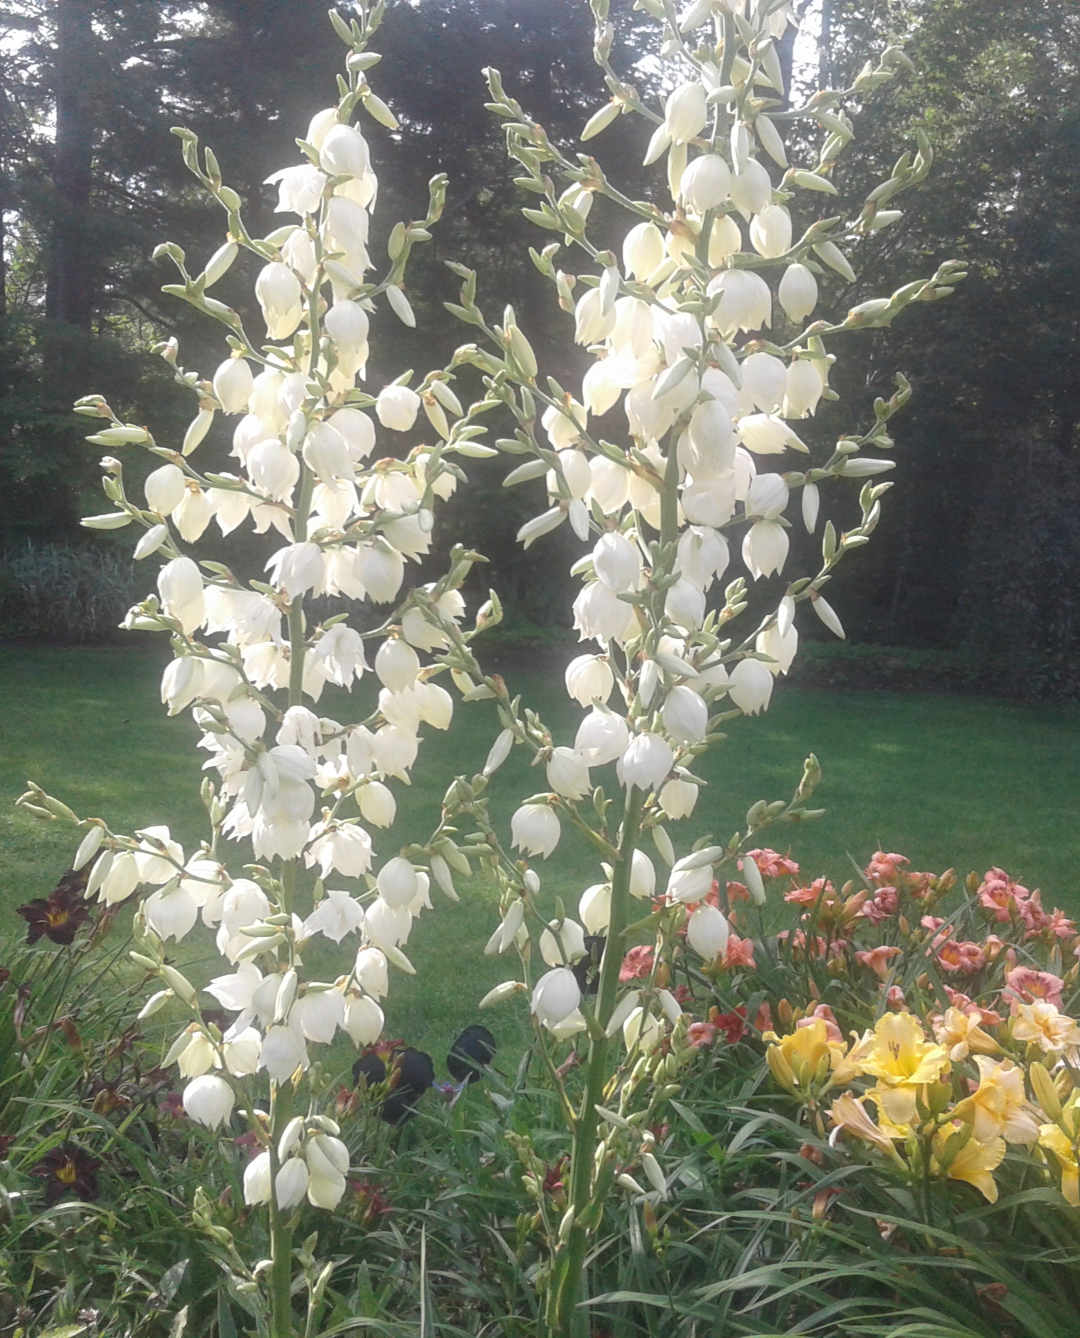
(982, 531)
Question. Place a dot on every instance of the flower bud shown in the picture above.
(278, 291)
(798, 292)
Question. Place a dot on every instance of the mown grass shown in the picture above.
(958, 781)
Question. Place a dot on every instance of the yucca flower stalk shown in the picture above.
(320, 472)
(700, 319)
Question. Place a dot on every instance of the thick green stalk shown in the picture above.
(281, 1317)
(564, 1315)
(569, 1263)
(296, 608)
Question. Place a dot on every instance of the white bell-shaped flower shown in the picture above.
(371, 971)
(751, 188)
(684, 605)
(686, 112)
(397, 407)
(377, 804)
(233, 384)
(802, 389)
(562, 943)
(381, 570)
(687, 884)
(165, 488)
(180, 586)
(705, 183)
(291, 1182)
(767, 496)
(397, 882)
(642, 876)
(344, 152)
(677, 798)
(281, 298)
(751, 686)
(702, 555)
(568, 774)
(601, 737)
(643, 250)
(555, 996)
(594, 907)
(300, 188)
(364, 1019)
(589, 678)
(600, 615)
(764, 382)
(535, 829)
(765, 548)
(685, 716)
(770, 231)
(798, 292)
(257, 1180)
(745, 301)
(397, 664)
(645, 762)
(707, 932)
(616, 562)
(209, 1100)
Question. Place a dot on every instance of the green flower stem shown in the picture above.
(296, 608)
(281, 1319)
(569, 1262)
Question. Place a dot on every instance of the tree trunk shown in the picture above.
(69, 290)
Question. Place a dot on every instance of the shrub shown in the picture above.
(68, 593)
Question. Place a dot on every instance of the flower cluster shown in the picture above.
(319, 470)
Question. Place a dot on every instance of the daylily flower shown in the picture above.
(1041, 1024)
(903, 1061)
(973, 1162)
(998, 1107)
(68, 1169)
(59, 916)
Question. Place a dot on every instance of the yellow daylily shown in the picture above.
(903, 1061)
(1041, 1024)
(1054, 1140)
(999, 1106)
(973, 1162)
(961, 1035)
(848, 1112)
(804, 1057)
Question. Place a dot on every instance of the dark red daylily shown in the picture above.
(68, 1169)
(58, 917)
(369, 1202)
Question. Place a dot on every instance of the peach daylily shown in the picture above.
(961, 1034)
(878, 959)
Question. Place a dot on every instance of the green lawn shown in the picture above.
(946, 780)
